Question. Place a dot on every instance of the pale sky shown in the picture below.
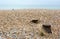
(29, 4)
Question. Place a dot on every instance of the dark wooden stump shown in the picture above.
(47, 28)
(34, 21)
